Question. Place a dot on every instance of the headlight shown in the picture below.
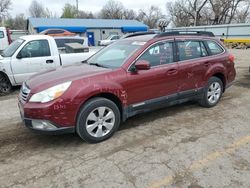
(50, 94)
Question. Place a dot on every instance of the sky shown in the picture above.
(22, 6)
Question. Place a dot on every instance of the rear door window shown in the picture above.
(214, 47)
(191, 50)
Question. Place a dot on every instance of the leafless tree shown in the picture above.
(4, 8)
(84, 14)
(112, 10)
(186, 12)
(129, 14)
(19, 22)
(150, 16)
(37, 10)
(207, 12)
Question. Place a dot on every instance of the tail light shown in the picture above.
(8, 35)
(231, 58)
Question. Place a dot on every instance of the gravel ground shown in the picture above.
(181, 146)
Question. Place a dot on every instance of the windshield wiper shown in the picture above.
(97, 64)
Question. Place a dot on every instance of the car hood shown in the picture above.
(60, 75)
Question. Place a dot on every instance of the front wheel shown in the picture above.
(5, 85)
(212, 93)
(98, 120)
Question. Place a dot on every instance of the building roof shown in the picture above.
(127, 25)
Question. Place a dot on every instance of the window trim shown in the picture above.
(32, 41)
(174, 54)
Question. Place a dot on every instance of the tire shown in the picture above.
(213, 92)
(5, 85)
(101, 116)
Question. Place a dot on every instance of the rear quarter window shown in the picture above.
(214, 47)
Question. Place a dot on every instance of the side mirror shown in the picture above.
(142, 65)
(19, 56)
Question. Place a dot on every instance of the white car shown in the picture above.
(109, 40)
(32, 54)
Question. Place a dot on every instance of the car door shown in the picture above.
(159, 81)
(34, 57)
(193, 64)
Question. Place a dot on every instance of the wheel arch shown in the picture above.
(107, 95)
(222, 77)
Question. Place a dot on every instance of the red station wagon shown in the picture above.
(134, 75)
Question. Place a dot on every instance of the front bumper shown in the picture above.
(40, 123)
(29, 123)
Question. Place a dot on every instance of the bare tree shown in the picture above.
(112, 10)
(207, 12)
(129, 14)
(19, 22)
(150, 16)
(84, 14)
(4, 8)
(37, 10)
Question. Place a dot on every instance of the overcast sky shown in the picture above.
(22, 6)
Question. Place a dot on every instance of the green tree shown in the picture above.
(69, 11)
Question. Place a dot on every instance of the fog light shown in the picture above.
(43, 125)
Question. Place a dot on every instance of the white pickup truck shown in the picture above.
(32, 54)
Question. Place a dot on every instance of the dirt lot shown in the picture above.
(181, 146)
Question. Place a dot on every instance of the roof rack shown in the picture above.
(195, 33)
(139, 34)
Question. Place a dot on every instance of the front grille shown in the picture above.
(24, 92)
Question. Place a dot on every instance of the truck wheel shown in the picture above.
(5, 85)
(213, 92)
(98, 120)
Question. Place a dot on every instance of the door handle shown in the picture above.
(172, 71)
(49, 61)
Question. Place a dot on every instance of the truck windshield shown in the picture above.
(114, 56)
(11, 49)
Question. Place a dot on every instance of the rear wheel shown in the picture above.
(5, 85)
(212, 93)
(98, 120)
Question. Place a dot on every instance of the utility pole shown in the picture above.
(77, 10)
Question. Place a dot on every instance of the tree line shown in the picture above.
(179, 13)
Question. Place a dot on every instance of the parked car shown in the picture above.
(57, 32)
(132, 76)
(109, 40)
(5, 39)
(32, 54)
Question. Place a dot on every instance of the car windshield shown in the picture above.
(114, 56)
(11, 49)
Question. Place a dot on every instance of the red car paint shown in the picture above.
(128, 87)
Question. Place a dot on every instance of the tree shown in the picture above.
(112, 10)
(207, 12)
(19, 22)
(37, 10)
(4, 8)
(69, 11)
(84, 14)
(129, 14)
(150, 16)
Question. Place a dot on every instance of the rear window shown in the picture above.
(55, 31)
(1, 35)
(214, 47)
(61, 42)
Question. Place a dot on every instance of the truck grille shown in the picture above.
(24, 92)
